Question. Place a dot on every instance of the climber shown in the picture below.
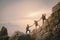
(36, 24)
(43, 17)
(27, 29)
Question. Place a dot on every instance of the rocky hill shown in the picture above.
(50, 30)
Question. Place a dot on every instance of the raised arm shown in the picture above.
(39, 19)
(31, 25)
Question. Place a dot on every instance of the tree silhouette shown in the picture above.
(4, 31)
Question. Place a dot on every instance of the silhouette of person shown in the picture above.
(36, 24)
(27, 29)
(43, 17)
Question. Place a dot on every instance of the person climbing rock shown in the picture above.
(43, 17)
(36, 24)
(27, 29)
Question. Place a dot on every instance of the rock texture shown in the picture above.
(50, 30)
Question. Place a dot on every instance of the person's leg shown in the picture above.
(29, 31)
(36, 28)
(26, 31)
(40, 28)
(43, 21)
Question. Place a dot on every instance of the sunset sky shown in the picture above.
(19, 13)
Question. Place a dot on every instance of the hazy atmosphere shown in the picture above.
(16, 14)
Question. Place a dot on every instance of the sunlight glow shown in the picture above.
(34, 14)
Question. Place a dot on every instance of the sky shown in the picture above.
(16, 14)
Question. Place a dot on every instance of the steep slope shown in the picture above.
(50, 30)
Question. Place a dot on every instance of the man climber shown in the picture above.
(43, 17)
(36, 24)
(27, 29)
